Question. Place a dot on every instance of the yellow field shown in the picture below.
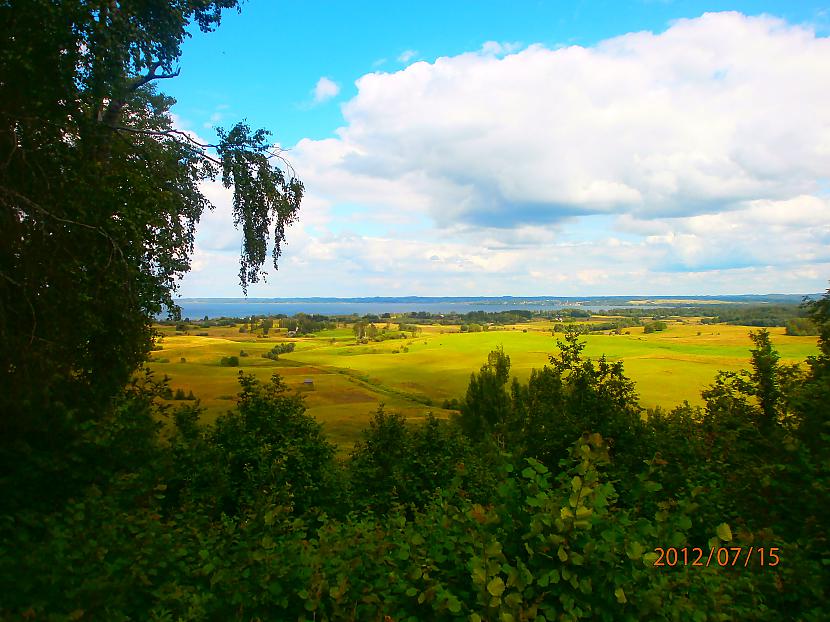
(350, 380)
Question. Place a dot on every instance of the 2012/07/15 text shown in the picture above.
(722, 556)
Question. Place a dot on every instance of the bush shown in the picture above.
(243, 353)
(229, 361)
(280, 348)
(802, 327)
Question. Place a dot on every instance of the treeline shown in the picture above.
(550, 499)
(280, 348)
(766, 315)
(497, 318)
(616, 326)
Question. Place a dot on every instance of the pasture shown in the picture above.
(414, 376)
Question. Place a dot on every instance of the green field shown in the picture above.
(350, 380)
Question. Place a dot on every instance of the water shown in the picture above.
(197, 308)
(213, 308)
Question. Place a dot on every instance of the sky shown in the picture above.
(569, 148)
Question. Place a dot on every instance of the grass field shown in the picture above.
(350, 380)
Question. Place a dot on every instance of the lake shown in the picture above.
(213, 308)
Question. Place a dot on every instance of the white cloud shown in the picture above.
(713, 112)
(325, 89)
(691, 161)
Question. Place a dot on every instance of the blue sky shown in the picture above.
(541, 148)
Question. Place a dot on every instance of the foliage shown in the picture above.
(280, 348)
(269, 450)
(486, 407)
(304, 324)
(400, 465)
(250, 517)
(653, 327)
(99, 197)
(802, 326)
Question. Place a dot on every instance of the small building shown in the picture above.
(308, 384)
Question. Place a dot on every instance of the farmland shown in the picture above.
(413, 376)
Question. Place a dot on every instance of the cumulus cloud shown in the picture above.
(712, 112)
(325, 89)
(692, 160)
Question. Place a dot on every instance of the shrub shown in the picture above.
(280, 348)
(229, 361)
(802, 326)
(652, 327)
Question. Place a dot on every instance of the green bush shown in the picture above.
(802, 326)
(229, 361)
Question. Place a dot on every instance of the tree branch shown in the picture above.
(189, 140)
(152, 75)
(113, 111)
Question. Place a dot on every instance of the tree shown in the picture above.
(100, 196)
(359, 330)
(765, 382)
(486, 405)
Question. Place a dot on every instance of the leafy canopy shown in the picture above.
(100, 195)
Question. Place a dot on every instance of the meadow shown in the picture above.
(414, 376)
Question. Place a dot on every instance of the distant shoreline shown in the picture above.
(241, 307)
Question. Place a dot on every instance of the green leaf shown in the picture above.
(576, 483)
(724, 532)
(453, 604)
(496, 587)
(620, 594)
(634, 550)
(479, 576)
(650, 558)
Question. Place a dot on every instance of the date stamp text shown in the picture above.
(721, 556)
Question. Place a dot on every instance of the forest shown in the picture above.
(559, 497)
